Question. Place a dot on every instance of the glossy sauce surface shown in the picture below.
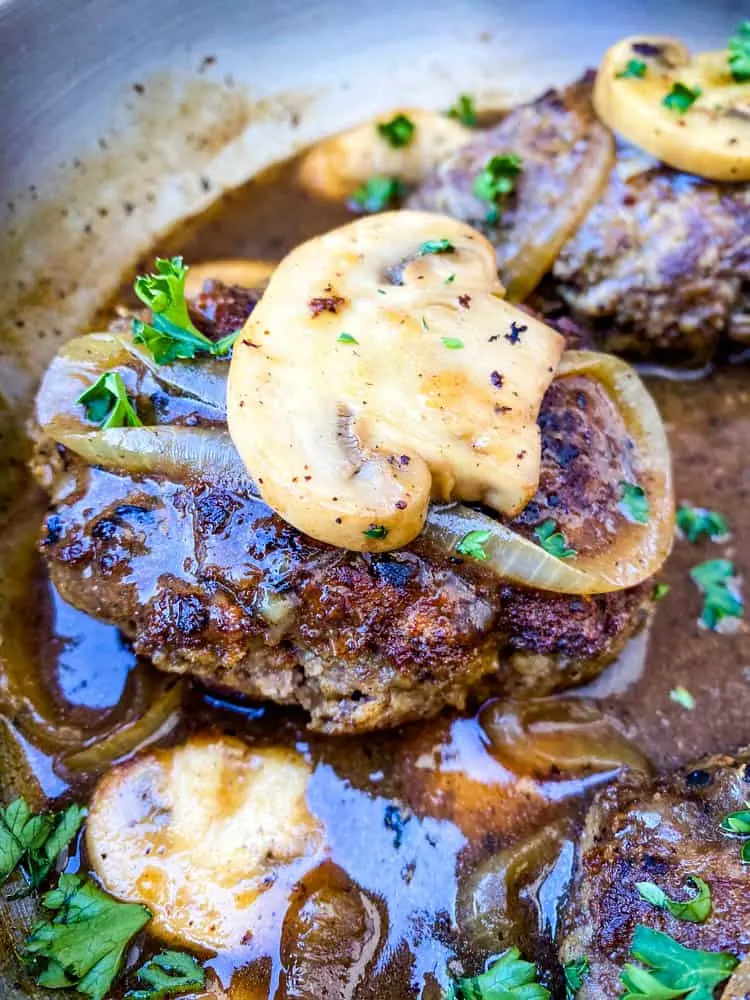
(444, 839)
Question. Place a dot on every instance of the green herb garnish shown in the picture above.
(435, 246)
(32, 843)
(697, 522)
(552, 540)
(496, 181)
(376, 531)
(82, 946)
(694, 910)
(716, 580)
(346, 338)
(398, 132)
(168, 974)
(739, 53)
(452, 343)
(378, 193)
(171, 334)
(681, 97)
(682, 696)
(464, 110)
(575, 973)
(472, 544)
(660, 591)
(107, 403)
(738, 825)
(672, 970)
(632, 68)
(509, 978)
(450, 279)
(634, 503)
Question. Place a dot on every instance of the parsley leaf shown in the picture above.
(681, 97)
(435, 246)
(675, 971)
(107, 403)
(738, 825)
(83, 944)
(552, 540)
(171, 334)
(452, 343)
(496, 181)
(660, 591)
(509, 978)
(632, 68)
(34, 842)
(376, 531)
(716, 579)
(378, 193)
(694, 910)
(398, 132)
(683, 697)
(167, 974)
(464, 110)
(346, 338)
(575, 972)
(696, 522)
(739, 53)
(634, 503)
(472, 544)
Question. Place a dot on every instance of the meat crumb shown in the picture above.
(329, 304)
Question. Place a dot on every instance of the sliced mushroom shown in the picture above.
(211, 835)
(230, 271)
(709, 137)
(336, 167)
(382, 369)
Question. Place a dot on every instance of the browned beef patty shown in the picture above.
(206, 580)
(658, 831)
(661, 266)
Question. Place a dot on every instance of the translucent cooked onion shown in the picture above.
(636, 552)
(178, 452)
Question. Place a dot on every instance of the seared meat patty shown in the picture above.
(205, 579)
(661, 266)
(658, 831)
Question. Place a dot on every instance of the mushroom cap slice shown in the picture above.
(210, 835)
(336, 167)
(710, 138)
(382, 369)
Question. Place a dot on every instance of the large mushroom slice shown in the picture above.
(210, 835)
(382, 369)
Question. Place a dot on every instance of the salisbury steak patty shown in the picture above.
(207, 580)
(658, 832)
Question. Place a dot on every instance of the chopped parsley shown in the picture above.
(452, 343)
(698, 522)
(660, 591)
(435, 246)
(509, 978)
(398, 132)
(672, 970)
(472, 544)
(464, 110)
(378, 193)
(633, 68)
(694, 910)
(107, 403)
(496, 181)
(575, 973)
(681, 97)
(83, 944)
(168, 974)
(716, 579)
(737, 824)
(376, 531)
(634, 503)
(552, 540)
(683, 697)
(738, 47)
(171, 334)
(346, 338)
(32, 843)
(450, 279)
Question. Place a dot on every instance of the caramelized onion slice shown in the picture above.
(637, 551)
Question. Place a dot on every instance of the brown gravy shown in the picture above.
(414, 812)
